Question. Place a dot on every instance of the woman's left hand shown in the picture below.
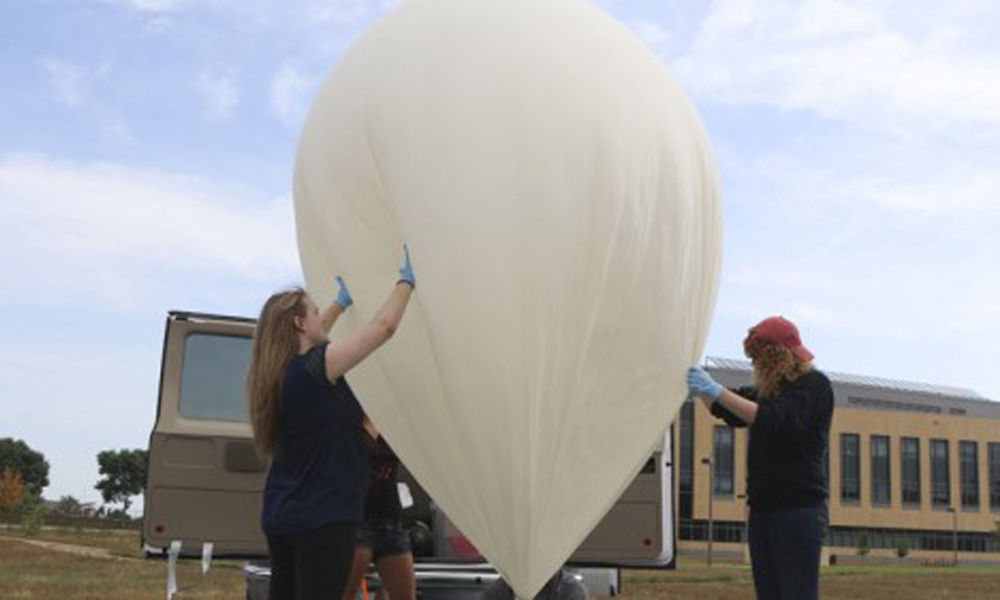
(343, 295)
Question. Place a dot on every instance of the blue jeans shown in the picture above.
(785, 548)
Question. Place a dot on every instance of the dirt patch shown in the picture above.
(87, 551)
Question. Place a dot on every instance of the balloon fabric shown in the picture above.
(560, 200)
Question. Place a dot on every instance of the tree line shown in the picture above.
(24, 474)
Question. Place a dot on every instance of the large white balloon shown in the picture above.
(560, 200)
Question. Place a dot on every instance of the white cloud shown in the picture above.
(267, 13)
(291, 92)
(970, 193)
(67, 81)
(75, 86)
(862, 62)
(650, 32)
(899, 257)
(158, 6)
(220, 92)
(93, 255)
(102, 232)
(158, 25)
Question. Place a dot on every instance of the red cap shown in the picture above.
(781, 331)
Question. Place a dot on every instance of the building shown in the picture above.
(909, 465)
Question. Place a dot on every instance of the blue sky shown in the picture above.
(146, 150)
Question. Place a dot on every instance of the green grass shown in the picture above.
(30, 572)
(27, 571)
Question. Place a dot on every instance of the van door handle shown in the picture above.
(241, 457)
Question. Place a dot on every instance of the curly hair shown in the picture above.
(774, 366)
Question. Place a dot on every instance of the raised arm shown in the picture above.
(344, 353)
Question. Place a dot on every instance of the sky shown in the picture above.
(146, 151)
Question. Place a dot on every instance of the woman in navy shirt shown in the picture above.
(307, 420)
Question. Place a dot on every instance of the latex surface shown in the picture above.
(560, 201)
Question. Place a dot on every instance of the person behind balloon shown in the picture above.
(307, 420)
(381, 537)
(787, 410)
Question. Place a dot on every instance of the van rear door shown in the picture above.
(638, 531)
(205, 480)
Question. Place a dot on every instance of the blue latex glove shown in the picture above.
(700, 383)
(406, 271)
(343, 295)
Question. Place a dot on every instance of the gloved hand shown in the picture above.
(700, 383)
(406, 271)
(343, 295)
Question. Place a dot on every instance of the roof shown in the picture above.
(734, 364)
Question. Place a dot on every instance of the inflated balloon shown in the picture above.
(560, 201)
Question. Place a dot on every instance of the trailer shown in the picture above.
(205, 481)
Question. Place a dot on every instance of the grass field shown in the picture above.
(108, 565)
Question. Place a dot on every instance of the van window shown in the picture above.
(212, 384)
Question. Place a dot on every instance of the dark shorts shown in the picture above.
(385, 537)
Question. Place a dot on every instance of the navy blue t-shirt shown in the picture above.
(319, 472)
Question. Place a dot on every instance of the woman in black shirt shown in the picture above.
(307, 420)
(788, 412)
(381, 538)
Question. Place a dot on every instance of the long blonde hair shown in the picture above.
(774, 366)
(275, 342)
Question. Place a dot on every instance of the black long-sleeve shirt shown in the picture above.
(787, 441)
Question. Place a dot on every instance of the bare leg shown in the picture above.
(397, 576)
(362, 556)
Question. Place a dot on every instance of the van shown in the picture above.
(205, 479)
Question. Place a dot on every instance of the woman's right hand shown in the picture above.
(406, 274)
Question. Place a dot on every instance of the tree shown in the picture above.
(69, 506)
(11, 491)
(34, 469)
(118, 514)
(124, 475)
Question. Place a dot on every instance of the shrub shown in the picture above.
(863, 545)
(33, 520)
(902, 546)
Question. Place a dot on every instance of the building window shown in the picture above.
(722, 531)
(915, 539)
(909, 450)
(940, 477)
(994, 458)
(850, 468)
(723, 461)
(686, 443)
(880, 470)
(881, 404)
(968, 454)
